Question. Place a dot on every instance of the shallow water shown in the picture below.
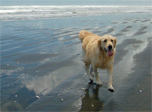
(41, 67)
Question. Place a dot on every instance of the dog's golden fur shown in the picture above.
(96, 53)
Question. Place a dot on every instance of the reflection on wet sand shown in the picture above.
(12, 105)
(91, 101)
(19, 100)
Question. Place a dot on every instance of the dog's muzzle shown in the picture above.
(109, 52)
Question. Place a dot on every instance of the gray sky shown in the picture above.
(77, 2)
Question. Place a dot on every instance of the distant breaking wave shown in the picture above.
(8, 13)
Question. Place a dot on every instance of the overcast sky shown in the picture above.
(77, 2)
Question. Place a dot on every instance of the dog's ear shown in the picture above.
(100, 44)
(115, 42)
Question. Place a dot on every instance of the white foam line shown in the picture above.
(44, 12)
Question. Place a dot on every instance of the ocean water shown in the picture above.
(75, 2)
(8, 13)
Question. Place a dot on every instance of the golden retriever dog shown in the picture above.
(98, 52)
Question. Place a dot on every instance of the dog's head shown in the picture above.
(107, 43)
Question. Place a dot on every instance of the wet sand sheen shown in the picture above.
(46, 63)
(140, 84)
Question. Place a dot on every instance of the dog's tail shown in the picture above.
(83, 34)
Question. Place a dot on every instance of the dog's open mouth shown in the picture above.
(109, 52)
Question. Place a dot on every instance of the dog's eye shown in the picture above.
(111, 40)
(105, 40)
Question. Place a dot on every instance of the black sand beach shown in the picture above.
(41, 67)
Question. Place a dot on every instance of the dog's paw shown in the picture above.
(111, 89)
(91, 81)
(99, 83)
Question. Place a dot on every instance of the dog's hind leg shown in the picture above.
(97, 76)
(88, 73)
(110, 73)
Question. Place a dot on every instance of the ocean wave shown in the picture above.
(38, 12)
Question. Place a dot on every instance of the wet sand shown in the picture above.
(41, 67)
(135, 92)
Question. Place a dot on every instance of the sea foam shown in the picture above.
(44, 12)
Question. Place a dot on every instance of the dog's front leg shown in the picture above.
(88, 73)
(110, 74)
(97, 77)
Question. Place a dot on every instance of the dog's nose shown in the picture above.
(110, 47)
